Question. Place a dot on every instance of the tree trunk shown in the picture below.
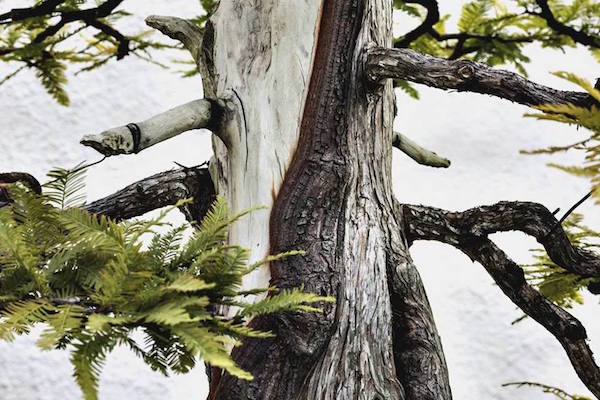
(307, 136)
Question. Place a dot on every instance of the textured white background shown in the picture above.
(481, 135)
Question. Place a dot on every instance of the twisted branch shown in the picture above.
(467, 231)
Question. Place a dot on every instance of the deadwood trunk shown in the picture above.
(306, 135)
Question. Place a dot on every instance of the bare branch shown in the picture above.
(532, 219)
(580, 37)
(188, 33)
(433, 17)
(465, 76)
(160, 190)
(136, 137)
(44, 8)
(467, 231)
(418, 153)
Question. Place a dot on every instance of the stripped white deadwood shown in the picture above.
(188, 33)
(133, 138)
(418, 153)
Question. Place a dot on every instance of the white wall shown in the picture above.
(481, 135)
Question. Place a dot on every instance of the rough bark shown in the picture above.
(466, 76)
(160, 190)
(468, 232)
(331, 196)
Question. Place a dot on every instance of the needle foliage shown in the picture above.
(92, 282)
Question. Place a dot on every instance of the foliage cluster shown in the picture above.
(496, 32)
(92, 283)
(48, 38)
(586, 117)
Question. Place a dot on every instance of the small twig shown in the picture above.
(78, 168)
(569, 212)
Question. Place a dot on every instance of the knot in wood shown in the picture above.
(465, 70)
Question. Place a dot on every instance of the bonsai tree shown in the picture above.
(299, 97)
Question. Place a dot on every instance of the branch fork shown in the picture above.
(468, 231)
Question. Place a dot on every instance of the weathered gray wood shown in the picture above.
(122, 140)
(188, 33)
(465, 76)
(418, 153)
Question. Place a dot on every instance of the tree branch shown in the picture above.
(87, 15)
(433, 17)
(160, 190)
(467, 231)
(530, 218)
(465, 76)
(136, 137)
(19, 14)
(123, 47)
(578, 36)
(188, 33)
(23, 177)
(418, 153)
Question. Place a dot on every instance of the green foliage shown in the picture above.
(407, 88)
(47, 46)
(91, 282)
(496, 32)
(585, 117)
(556, 284)
(558, 393)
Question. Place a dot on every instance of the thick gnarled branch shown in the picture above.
(135, 137)
(530, 218)
(160, 190)
(468, 231)
(465, 76)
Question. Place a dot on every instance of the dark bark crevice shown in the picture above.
(308, 215)
(418, 353)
